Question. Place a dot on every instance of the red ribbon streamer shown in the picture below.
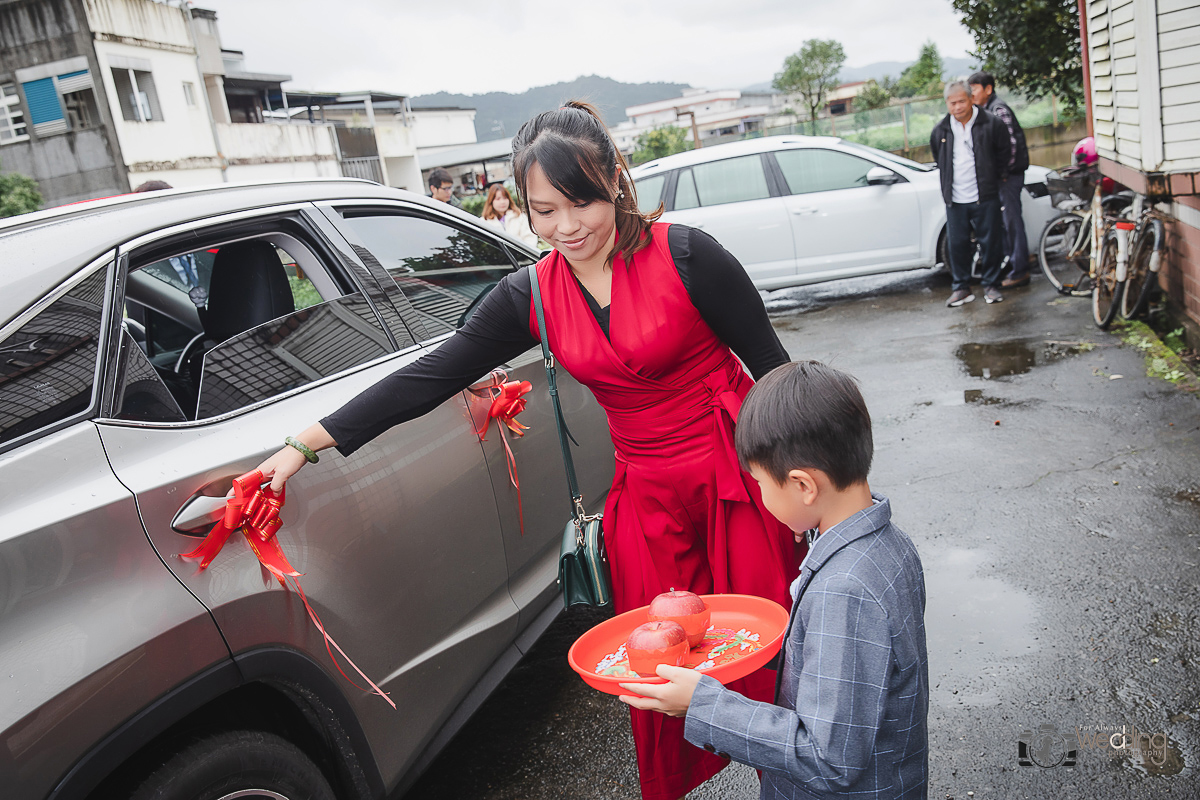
(255, 510)
(507, 402)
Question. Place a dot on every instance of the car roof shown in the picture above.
(744, 147)
(43, 249)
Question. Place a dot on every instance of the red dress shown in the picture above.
(681, 513)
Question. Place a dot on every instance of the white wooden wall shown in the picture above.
(1145, 66)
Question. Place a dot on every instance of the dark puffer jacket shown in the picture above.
(991, 146)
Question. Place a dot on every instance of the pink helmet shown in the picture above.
(1085, 151)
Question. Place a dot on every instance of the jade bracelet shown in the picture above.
(304, 449)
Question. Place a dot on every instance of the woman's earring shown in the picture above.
(620, 193)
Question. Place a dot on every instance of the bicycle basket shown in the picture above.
(1072, 184)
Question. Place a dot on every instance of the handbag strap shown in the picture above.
(560, 421)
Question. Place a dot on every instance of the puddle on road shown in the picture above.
(976, 626)
(1156, 753)
(1000, 359)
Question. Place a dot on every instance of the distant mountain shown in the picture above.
(500, 114)
(955, 68)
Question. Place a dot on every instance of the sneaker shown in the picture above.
(1013, 281)
(992, 295)
(960, 297)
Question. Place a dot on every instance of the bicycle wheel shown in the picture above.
(1143, 270)
(1063, 251)
(1106, 289)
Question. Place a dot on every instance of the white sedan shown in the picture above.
(805, 209)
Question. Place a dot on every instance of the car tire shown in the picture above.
(943, 251)
(247, 764)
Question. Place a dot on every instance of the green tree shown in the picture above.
(873, 96)
(811, 72)
(664, 141)
(1032, 45)
(924, 76)
(18, 195)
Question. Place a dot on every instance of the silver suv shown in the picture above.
(152, 348)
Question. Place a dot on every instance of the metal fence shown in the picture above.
(368, 168)
(905, 126)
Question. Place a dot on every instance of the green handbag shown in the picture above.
(583, 573)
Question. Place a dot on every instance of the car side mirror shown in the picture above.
(881, 176)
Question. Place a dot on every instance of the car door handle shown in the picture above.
(487, 383)
(806, 210)
(198, 515)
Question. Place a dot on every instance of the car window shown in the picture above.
(649, 192)
(731, 180)
(685, 191)
(141, 394)
(443, 271)
(230, 325)
(818, 170)
(48, 365)
(901, 160)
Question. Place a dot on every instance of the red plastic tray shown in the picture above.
(764, 621)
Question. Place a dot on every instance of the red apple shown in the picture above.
(685, 608)
(654, 643)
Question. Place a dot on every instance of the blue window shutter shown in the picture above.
(42, 98)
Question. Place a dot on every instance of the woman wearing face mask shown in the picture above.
(650, 317)
(503, 214)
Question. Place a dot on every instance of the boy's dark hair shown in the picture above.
(440, 176)
(806, 415)
(983, 79)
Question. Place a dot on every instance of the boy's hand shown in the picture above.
(671, 698)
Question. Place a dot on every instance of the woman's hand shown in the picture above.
(282, 466)
(288, 461)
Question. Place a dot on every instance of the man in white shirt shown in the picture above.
(972, 157)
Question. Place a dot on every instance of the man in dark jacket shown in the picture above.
(983, 94)
(971, 149)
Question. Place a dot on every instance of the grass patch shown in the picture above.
(1162, 361)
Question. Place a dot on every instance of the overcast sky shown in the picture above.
(417, 47)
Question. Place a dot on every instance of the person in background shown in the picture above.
(185, 266)
(983, 94)
(441, 185)
(503, 214)
(970, 147)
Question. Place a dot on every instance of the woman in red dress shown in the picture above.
(649, 316)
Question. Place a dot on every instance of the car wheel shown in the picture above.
(242, 764)
(943, 251)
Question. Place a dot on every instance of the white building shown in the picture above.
(100, 96)
(716, 113)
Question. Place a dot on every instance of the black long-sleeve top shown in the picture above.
(499, 331)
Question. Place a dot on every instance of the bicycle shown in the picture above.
(1141, 233)
(1065, 246)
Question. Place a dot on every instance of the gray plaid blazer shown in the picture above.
(851, 704)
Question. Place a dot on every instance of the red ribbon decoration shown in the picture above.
(507, 402)
(255, 510)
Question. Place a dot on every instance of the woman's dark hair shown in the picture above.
(580, 159)
(493, 190)
(806, 415)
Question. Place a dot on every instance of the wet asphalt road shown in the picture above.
(1056, 507)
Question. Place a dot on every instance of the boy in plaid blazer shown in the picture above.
(852, 697)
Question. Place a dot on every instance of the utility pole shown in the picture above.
(695, 133)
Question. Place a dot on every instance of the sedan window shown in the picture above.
(48, 365)
(649, 192)
(819, 170)
(443, 271)
(685, 191)
(731, 180)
